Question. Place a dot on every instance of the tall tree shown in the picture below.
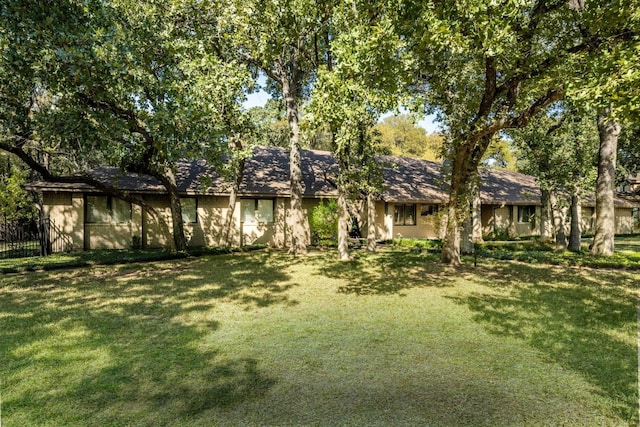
(490, 66)
(286, 42)
(132, 81)
(402, 137)
(603, 239)
(356, 86)
(609, 86)
(559, 149)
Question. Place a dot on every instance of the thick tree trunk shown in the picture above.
(575, 236)
(168, 179)
(558, 222)
(371, 222)
(344, 223)
(603, 239)
(451, 243)
(456, 208)
(546, 230)
(464, 167)
(298, 227)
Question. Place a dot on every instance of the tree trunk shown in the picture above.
(558, 222)
(476, 214)
(466, 235)
(603, 239)
(344, 222)
(168, 179)
(462, 171)
(225, 240)
(575, 236)
(371, 222)
(464, 168)
(297, 221)
(546, 231)
(472, 224)
(451, 244)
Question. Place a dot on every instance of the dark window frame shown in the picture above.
(110, 209)
(429, 210)
(526, 214)
(402, 207)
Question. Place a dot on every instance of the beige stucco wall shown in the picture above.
(157, 223)
(66, 210)
(384, 221)
(496, 219)
(207, 231)
(504, 218)
(427, 227)
(115, 235)
(525, 228)
(587, 222)
(624, 220)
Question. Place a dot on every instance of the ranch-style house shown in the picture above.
(409, 205)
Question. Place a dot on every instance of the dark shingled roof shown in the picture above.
(407, 179)
(267, 173)
(510, 188)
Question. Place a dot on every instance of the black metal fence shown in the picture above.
(32, 238)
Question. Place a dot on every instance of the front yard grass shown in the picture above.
(262, 338)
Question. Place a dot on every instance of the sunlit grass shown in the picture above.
(266, 339)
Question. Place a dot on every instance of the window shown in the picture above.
(404, 214)
(107, 209)
(189, 210)
(526, 213)
(253, 211)
(428, 210)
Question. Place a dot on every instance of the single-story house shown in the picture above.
(409, 205)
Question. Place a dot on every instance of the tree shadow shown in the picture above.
(577, 320)
(125, 345)
(389, 272)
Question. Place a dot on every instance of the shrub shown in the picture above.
(324, 222)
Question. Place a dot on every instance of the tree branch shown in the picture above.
(521, 119)
(48, 176)
(489, 95)
(135, 126)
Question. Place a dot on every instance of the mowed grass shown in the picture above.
(262, 338)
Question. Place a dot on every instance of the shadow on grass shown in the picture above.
(577, 320)
(126, 345)
(387, 272)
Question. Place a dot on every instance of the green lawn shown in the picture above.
(265, 339)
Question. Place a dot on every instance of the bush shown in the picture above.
(426, 244)
(324, 222)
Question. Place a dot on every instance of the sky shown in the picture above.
(258, 99)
